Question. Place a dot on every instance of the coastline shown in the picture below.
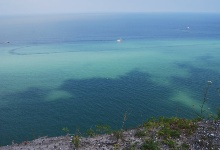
(207, 135)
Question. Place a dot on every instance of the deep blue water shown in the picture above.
(69, 71)
(107, 27)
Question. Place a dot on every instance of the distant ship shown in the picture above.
(6, 42)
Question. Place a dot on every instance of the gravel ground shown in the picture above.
(207, 136)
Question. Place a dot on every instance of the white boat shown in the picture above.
(119, 40)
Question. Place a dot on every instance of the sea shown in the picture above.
(72, 71)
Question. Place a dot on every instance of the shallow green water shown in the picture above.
(47, 86)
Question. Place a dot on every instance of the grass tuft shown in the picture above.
(149, 144)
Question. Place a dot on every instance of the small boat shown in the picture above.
(119, 40)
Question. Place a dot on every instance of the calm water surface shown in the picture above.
(69, 71)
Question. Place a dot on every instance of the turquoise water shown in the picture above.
(70, 71)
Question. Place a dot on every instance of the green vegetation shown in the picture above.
(168, 133)
(184, 146)
(75, 140)
(132, 146)
(218, 114)
(91, 132)
(103, 129)
(118, 135)
(149, 144)
(170, 143)
(169, 129)
(66, 130)
(116, 147)
(140, 133)
(99, 129)
(205, 98)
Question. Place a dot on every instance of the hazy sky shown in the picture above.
(87, 6)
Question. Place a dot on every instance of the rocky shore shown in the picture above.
(205, 136)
